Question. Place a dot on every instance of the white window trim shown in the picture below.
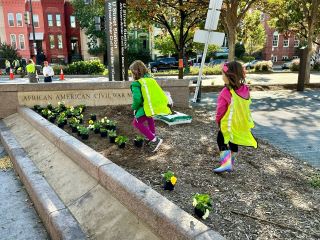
(75, 22)
(24, 42)
(61, 41)
(12, 14)
(57, 20)
(295, 57)
(15, 47)
(288, 42)
(49, 14)
(274, 57)
(54, 42)
(21, 19)
(285, 58)
(275, 35)
(38, 20)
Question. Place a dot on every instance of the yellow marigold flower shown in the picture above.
(173, 180)
(90, 122)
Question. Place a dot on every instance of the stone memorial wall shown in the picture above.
(90, 94)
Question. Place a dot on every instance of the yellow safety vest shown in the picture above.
(31, 68)
(155, 101)
(236, 124)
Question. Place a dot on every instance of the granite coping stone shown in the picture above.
(164, 217)
(27, 87)
(43, 196)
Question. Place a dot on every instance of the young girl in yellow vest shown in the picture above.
(148, 100)
(233, 116)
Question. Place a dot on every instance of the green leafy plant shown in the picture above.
(315, 181)
(139, 138)
(61, 106)
(111, 124)
(49, 106)
(37, 108)
(61, 120)
(45, 112)
(121, 139)
(83, 130)
(74, 121)
(111, 133)
(170, 177)
(103, 130)
(203, 203)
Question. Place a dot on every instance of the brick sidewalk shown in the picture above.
(286, 119)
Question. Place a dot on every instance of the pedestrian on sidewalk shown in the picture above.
(233, 116)
(148, 100)
(8, 66)
(47, 72)
(31, 71)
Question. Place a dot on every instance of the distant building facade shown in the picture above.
(57, 33)
(279, 47)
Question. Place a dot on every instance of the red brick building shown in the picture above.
(57, 34)
(279, 47)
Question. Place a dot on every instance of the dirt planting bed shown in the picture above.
(268, 196)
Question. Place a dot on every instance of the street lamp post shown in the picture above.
(33, 32)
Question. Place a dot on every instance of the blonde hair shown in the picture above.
(138, 69)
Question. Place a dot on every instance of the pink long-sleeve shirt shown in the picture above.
(224, 100)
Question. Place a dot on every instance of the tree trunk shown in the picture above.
(232, 43)
(181, 42)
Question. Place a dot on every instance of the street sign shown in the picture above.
(203, 36)
(213, 14)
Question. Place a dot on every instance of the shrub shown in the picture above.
(295, 65)
(82, 67)
(247, 58)
(263, 66)
(316, 66)
(214, 70)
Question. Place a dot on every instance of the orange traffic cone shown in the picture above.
(11, 74)
(61, 74)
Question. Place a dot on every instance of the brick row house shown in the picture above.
(279, 47)
(57, 34)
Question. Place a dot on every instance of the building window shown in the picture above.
(295, 57)
(274, 58)
(73, 21)
(60, 41)
(296, 41)
(11, 19)
(21, 41)
(275, 39)
(36, 21)
(19, 19)
(58, 20)
(51, 41)
(286, 43)
(50, 20)
(13, 41)
(285, 58)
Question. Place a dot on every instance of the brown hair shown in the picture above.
(235, 73)
(138, 69)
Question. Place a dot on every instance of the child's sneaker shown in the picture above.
(156, 144)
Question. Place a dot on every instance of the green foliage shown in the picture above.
(316, 66)
(139, 138)
(8, 52)
(239, 50)
(90, 67)
(263, 66)
(295, 66)
(83, 130)
(61, 119)
(247, 58)
(315, 181)
(111, 133)
(168, 175)
(121, 139)
(137, 51)
(96, 125)
(103, 130)
(74, 121)
(202, 202)
(252, 32)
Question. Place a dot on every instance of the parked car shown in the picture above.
(250, 65)
(163, 64)
(286, 65)
(217, 62)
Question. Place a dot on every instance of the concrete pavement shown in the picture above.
(289, 120)
(18, 218)
(262, 79)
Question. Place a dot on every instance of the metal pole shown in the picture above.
(33, 32)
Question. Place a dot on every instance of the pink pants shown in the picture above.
(148, 131)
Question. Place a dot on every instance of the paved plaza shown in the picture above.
(286, 119)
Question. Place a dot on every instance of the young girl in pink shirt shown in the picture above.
(233, 116)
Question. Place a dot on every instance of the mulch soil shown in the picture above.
(268, 196)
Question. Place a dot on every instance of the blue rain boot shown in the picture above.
(226, 163)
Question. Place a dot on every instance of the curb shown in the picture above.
(165, 218)
(57, 219)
